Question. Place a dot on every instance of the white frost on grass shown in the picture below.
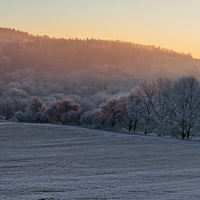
(42, 161)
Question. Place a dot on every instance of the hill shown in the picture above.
(43, 161)
(89, 71)
(90, 59)
(12, 34)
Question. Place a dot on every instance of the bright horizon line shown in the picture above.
(170, 24)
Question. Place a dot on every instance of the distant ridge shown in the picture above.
(8, 33)
(12, 34)
(91, 57)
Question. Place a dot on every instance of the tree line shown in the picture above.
(160, 106)
(93, 76)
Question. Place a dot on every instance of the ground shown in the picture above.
(63, 162)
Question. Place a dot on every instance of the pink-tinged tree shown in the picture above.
(108, 115)
(112, 112)
(63, 111)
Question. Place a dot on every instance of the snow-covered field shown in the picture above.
(62, 162)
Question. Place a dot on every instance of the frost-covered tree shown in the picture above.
(13, 100)
(185, 106)
(134, 111)
(92, 119)
(161, 108)
(112, 111)
(33, 112)
(108, 115)
(15, 93)
(148, 106)
(35, 109)
(63, 111)
(146, 92)
(7, 107)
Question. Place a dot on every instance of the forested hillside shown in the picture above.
(65, 81)
(90, 57)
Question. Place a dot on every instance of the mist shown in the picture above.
(82, 74)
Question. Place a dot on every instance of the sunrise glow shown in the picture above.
(171, 24)
(99, 99)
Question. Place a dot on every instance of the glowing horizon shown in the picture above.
(171, 24)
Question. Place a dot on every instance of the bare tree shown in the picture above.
(134, 110)
(146, 92)
(160, 107)
(185, 106)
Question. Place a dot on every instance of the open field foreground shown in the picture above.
(62, 162)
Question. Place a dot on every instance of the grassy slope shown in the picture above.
(40, 161)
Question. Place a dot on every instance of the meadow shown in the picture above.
(63, 162)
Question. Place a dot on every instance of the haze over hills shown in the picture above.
(91, 60)
(97, 83)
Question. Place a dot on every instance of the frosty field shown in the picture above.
(63, 162)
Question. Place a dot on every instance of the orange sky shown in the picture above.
(172, 24)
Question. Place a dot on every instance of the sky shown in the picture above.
(171, 24)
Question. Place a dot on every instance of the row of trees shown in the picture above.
(160, 106)
(65, 112)
(17, 88)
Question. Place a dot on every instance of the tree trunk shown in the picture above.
(182, 133)
(188, 134)
(135, 125)
(130, 126)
